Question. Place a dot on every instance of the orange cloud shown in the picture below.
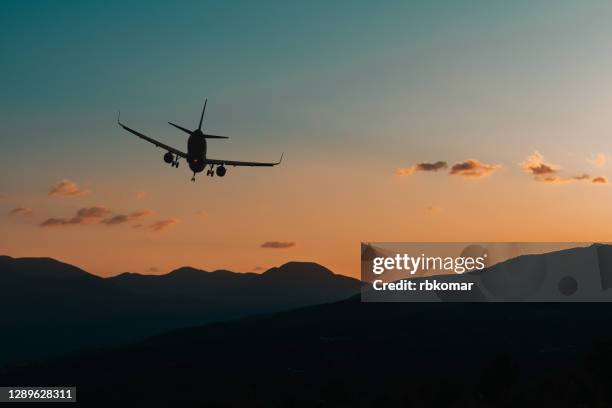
(424, 166)
(123, 218)
(21, 211)
(66, 188)
(163, 224)
(83, 216)
(141, 195)
(433, 209)
(538, 168)
(277, 244)
(600, 180)
(548, 173)
(473, 168)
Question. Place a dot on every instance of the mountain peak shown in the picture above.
(186, 271)
(41, 267)
(295, 268)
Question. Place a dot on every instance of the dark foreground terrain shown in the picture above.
(350, 354)
(353, 354)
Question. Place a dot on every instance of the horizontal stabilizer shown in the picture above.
(180, 127)
(207, 136)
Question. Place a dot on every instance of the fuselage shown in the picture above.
(196, 152)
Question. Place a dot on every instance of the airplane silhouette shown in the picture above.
(196, 151)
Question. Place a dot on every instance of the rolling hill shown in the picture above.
(52, 307)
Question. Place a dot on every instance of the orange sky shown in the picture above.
(326, 217)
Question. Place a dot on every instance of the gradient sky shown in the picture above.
(350, 91)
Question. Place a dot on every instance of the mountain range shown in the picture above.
(349, 353)
(52, 307)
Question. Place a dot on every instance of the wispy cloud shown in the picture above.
(545, 172)
(433, 209)
(86, 215)
(66, 188)
(141, 195)
(277, 244)
(20, 211)
(163, 224)
(123, 218)
(423, 166)
(473, 168)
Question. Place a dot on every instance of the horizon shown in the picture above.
(162, 273)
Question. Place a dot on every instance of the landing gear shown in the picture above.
(211, 172)
(175, 164)
(193, 178)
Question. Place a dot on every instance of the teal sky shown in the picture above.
(359, 88)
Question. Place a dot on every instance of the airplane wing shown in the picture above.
(242, 163)
(151, 140)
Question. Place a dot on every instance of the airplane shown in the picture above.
(196, 150)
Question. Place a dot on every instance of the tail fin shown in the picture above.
(202, 117)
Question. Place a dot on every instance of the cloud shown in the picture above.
(548, 173)
(473, 168)
(600, 180)
(163, 224)
(123, 218)
(66, 188)
(598, 160)
(259, 269)
(86, 215)
(538, 168)
(153, 269)
(116, 219)
(277, 244)
(21, 211)
(433, 209)
(423, 166)
(141, 195)
(555, 179)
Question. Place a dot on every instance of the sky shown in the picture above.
(399, 120)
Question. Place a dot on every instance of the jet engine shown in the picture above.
(169, 157)
(221, 171)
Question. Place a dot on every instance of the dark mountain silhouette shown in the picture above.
(354, 354)
(51, 307)
(293, 284)
(346, 354)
